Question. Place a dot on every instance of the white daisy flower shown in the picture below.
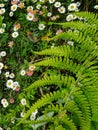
(38, 6)
(96, 7)
(15, 85)
(29, 8)
(3, 53)
(11, 14)
(69, 17)
(22, 114)
(15, 34)
(1, 65)
(72, 7)
(51, 1)
(2, 30)
(32, 67)
(0, 71)
(30, 17)
(57, 4)
(78, 4)
(2, 11)
(1, 128)
(14, 7)
(4, 25)
(5, 104)
(8, 128)
(9, 83)
(7, 74)
(22, 72)
(23, 101)
(3, 101)
(62, 9)
(32, 116)
(1, 5)
(41, 27)
(49, 14)
(12, 75)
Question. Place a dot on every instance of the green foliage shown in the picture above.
(74, 95)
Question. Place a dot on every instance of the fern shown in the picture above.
(76, 100)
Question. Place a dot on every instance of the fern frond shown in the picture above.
(91, 18)
(77, 98)
(46, 99)
(50, 80)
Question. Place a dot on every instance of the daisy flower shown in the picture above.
(5, 104)
(1, 128)
(2, 30)
(62, 9)
(17, 26)
(16, 86)
(51, 1)
(30, 17)
(49, 14)
(78, 4)
(21, 5)
(11, 100)
(23, 101)
(96, 7)
(7, 74)
(2, 11)
(14, 7)
(12, 75)
(69, 17)
(1, 65)
(32, 67)
(29, 8)
(10, 44)
(1, 5)
(9, 83)
(2, 53)
(3, 101)
(11, 14)
(29, 73)
(15, 34)
(22, 72)
(57, 4)
(22, 114)
(32, 117)
(41, 27)
(38, 6)
(72, 7)
(4, 25)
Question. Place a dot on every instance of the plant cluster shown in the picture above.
(67, 68)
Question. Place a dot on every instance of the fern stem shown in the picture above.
(71, 91)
